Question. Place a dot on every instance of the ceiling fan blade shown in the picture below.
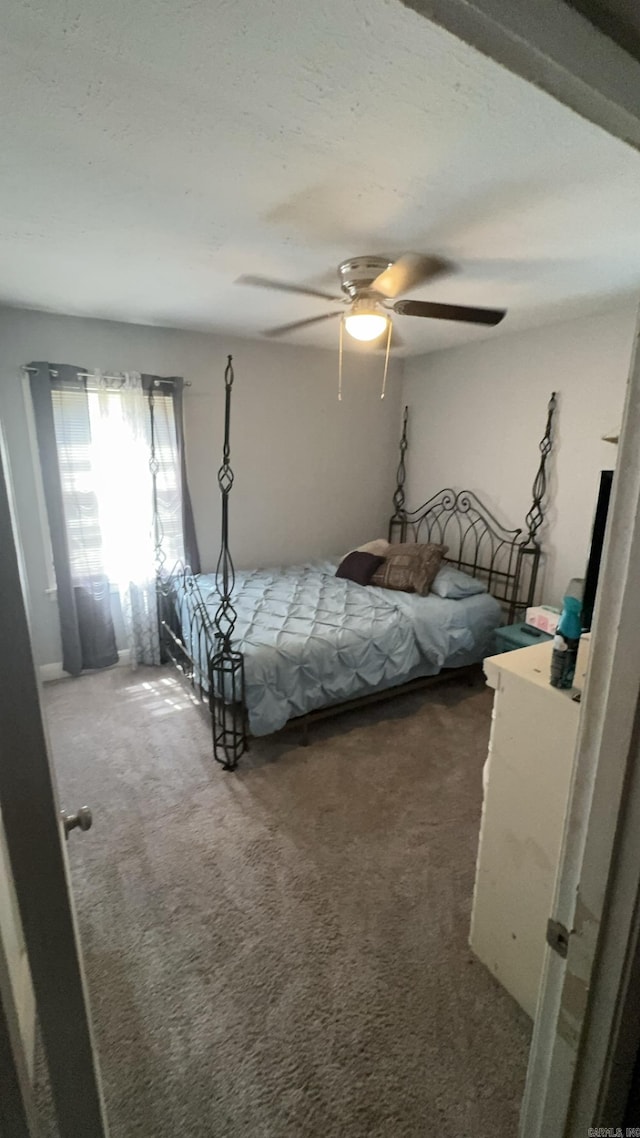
(458, 312)
(409, 271)
(284, 328)
(281, 286)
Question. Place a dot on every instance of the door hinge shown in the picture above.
(558, 937)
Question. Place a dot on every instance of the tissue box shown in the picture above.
(544, 617)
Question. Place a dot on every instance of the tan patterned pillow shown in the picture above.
(410, 567)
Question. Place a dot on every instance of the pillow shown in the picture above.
(359, 566)
(410, 567)
(380, 547)
(453, 585)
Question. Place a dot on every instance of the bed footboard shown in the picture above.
(190, 640)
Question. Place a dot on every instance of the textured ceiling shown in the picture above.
(154, 151)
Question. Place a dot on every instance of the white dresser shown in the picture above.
(526, 786)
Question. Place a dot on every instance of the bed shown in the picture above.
(269, 647)
(311, 640)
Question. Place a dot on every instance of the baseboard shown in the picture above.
(49, 672)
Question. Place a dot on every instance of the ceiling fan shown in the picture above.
(370, 286)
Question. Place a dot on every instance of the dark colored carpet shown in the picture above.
(283, 952)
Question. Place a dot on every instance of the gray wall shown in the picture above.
(313, 476)
(477, 414)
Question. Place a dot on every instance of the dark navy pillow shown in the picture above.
(359, 567)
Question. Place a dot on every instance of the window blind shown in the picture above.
(73, 439)
(80, 492)
(168, 481)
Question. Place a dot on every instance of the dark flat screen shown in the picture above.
(597, 542)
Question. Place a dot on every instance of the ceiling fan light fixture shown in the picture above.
(365, 321)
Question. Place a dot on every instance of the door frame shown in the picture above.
(553, 46)
(598, 884)
(37, 854)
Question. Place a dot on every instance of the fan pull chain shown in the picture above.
(340, 360)
(386, 361)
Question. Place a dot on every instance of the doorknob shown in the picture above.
(82, 820)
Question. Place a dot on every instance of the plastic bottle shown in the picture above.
(575, 588)
(565, 644)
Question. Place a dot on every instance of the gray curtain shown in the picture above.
(174, 385)
(84, 602)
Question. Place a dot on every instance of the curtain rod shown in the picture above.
(90, 375)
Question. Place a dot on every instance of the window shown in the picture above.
(104, 454)
(73, 438)
(168, 482)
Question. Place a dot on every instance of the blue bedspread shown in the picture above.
(311, 639)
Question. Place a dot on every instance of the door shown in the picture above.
(580, 1064)
(35, 838)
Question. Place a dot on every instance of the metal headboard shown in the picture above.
(507, 560)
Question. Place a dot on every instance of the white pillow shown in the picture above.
(380, 547)
(454, 585)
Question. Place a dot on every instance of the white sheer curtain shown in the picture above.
(120, 437)
(168, 482)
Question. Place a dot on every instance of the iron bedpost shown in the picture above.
(535, 516)
(226, 666)
(399, 518)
